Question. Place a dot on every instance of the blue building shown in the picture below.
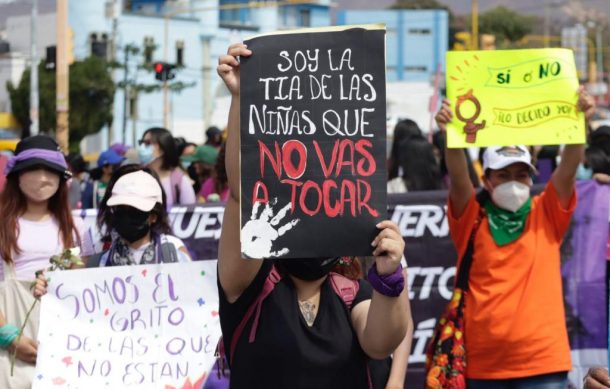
(416, 40)
(192, 32)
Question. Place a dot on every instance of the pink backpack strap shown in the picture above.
(345, 288)
(255, 308)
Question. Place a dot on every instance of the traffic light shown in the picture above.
(164, 71)
(51, 58)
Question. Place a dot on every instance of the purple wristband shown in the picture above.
(390, 285)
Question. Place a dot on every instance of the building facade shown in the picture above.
(195, 33)
(416, 40)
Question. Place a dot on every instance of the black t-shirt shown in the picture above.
(286, 352)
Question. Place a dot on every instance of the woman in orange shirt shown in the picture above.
(515, 329)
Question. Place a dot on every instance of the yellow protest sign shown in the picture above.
(508, 97)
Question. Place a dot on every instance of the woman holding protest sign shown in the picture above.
(515, 333)
(304, 335)
(36, 224)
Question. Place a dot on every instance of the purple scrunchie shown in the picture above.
(55, 157)
(390, 285)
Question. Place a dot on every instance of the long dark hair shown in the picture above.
(404, 129)
(420, 169)
(13, 204)
(597, 159)
(167, 144)
(105, 222)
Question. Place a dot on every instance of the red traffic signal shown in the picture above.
(164, 71)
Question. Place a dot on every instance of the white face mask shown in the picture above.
(510, 195)
(146, 154)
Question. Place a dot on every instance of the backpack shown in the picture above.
(344, 287)
(446, 353)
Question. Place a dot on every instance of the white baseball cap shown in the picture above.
(138, 189)
(499, 157)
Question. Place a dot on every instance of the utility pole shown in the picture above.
(62, 72)
(547, 23)
(34, 100)
(165, 85)
(600, 54)
(126, 50)
(112, 13)
(475, 24)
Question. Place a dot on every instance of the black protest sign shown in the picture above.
(313, 135)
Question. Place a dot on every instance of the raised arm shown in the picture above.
(457, 166)
(564, 177)
(381, 323)
(235, 273)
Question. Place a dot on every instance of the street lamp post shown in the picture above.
(600, 54)
(475, 24)
(62, 97)
(34, 99)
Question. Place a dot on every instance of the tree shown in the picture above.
(506, 24)
(91, 97)
(418, 4)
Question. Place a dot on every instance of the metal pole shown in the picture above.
(547, 23)
(600, 54)
(165, 86)
(206, 84)
(125, 92)
(62, 72)
(115, 25)
(475, 25)
(34, 100)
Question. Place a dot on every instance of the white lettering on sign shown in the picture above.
(204, 222)
(444, 282)
(415, 220)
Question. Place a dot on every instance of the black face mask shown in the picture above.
(307, 269)
(131, 223)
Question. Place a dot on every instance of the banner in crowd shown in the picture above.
(313, 139)
(422, 220)
(583, 269)
(153, 326)
(507, 97)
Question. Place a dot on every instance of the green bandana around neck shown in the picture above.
(506, 226)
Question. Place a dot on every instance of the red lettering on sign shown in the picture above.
(288, 148)
(259, 185)
(361, 148)
(274, 160)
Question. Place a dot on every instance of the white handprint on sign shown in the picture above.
(259, 233)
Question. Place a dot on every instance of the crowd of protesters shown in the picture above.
(515, 237)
